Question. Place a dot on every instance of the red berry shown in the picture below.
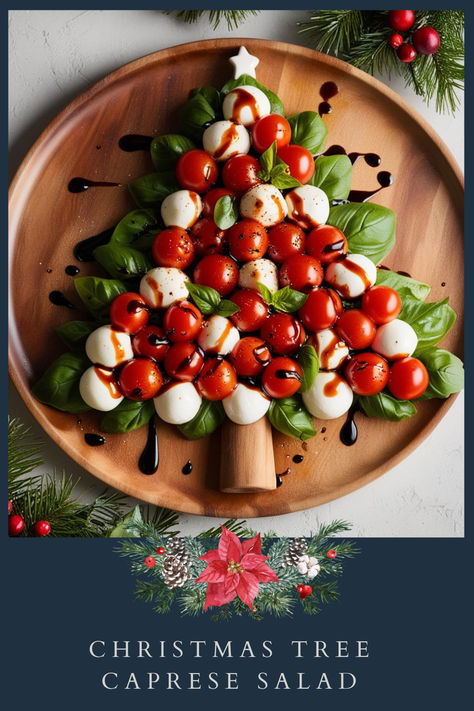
(299, 587)
(426, 40)
(10, 506)
(406, 53)
(332, 553)
(395, 40)
(42, 528)
(401, 20)
(150, 561)
(307, 590)
(15, 525)
(160, 550)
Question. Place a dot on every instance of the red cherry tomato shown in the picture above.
(382, 304)
(128, 312)
(408, 379)
(219, 272)
(249, 356)
(356, 329)
(269, 129)
(182, 322)
(217, 379)
(321, 309)
(283, 333)
(196, 170)
(252, 310)
(282, 377)
(240, 173)
(301, 272)
(285, 240)
(247, 240)
(150, 342)
(173, 247)
(367, 373)
(210, 199)
(326, 243)
(299, 160)
(207, 237)
(140, 379)
(184, 361)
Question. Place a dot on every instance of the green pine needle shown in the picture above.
(233, 18)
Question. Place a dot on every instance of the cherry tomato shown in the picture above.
(151, 342)
(210, 199)
(299, 160)
(217, 379)
(247, 240)
(356, 329)
(219, 272)
(184, 361)
(128, 312)
(408, 379)
(140, 379)
(282, 377)
(253, 310)
(367, 373)
(182, 322)
(321, 309)
(283, 333)
(207, 237)
(285, 240)
(382, 304)
(173, 247)
(326, 243)
(301, 272)
(196, 170)
(240, 173)
(269, 129)
(249, 356)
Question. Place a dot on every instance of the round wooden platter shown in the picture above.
(46, 221)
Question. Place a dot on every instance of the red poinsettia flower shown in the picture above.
(234, 568)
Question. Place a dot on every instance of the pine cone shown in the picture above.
(294, 552)
(175, 573)
(176, 548)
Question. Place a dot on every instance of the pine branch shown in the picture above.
(233, 18)
(24, 455)
(238, 527)
(333, 31)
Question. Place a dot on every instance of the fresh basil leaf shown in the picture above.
(97, 294)
(59, 385)
(210, 416)
(446, 373)
(387, 407)
(206, 298)
(226, 308)
(137, 229)
(369, 228)
(74, 334)
(309, 362)
(276, 105)
(128, 416)
(431, 320)
(166, 150)
(308, 130)
(195, 115)
(265, 292)
(402, 284)
(288, 300)
(289, 416)
(280, 177)
(333, 174)
(122, 262)
(150, 190)
(226, 211)
(268, 158)
(212, 96)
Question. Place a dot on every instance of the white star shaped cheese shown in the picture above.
(244, 63)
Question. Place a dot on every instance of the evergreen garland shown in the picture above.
(233, 18)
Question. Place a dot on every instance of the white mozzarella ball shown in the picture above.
(330, 396)
(181, 209)
(245, 404)
(179, 403)
(109, 347)
(245, 105)
(396, 339)
(224, 139)
(218, 335)
(98, 389)
(259, 270)
(264, 203)
(163, 286)
(332, 351)
(308, 206)
(351, 276)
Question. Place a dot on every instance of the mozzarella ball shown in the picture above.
(99, 389)
(245, 404)
(330, 396)
(109, 347)
(163, 286)
(259, 270)
(224, 139)
(351, 276)
(264, 203)
(179, 403)
(331, 350)
(217, 335)
(181, 209)
(308, 206)
(394, 340)
(245, 105)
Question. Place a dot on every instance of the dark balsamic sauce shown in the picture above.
(283, 374)
(326, 92)
(348, 433)
(298, 458)
(84, 250)
(80, 185)
(149, 458)
(188, 467)
(279, 481)
(135, 142)
(371, 159)
(94, 440)
(58, 299)
(384, 178)
(72, 270)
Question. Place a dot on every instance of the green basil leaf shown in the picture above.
(402, 284)
(446, 373)
(308, 130)
(387, 407)
(74, 334)
(166, 150)
(209, 417)
(97, 294)
(129, 415)
(226, 212)
(288, 300)
(193, 117)
(289, 415)
(280, 177)
(276, 105)
(431, 320)
(268, 158)
(226, 308)
(333, 174)
(212, 96)
(265, 292)
(122, 262)
(59, 385)
(150, 190)
(137, 229)
(369, 228)
(206, 298)
(309, 362)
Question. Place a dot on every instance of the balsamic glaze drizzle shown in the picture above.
(84, 250)
(348, 433)
(80, 185)
(94, 440)
(72, 270)
(135, 142)
(150, 458)
(188, 467)
(58, 299)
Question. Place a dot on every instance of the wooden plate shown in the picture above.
(46, 221)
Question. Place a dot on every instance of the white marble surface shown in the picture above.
(54, 55)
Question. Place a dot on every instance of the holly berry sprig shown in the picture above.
(424, 40)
